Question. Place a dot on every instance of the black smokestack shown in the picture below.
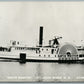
(41, 36)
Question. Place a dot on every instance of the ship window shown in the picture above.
(52, 51)
(47, 49)
(57, 50)
(42, 49)
(39, 51)
(81, 55)
(36, 51)
(60, 55)
(39, 55)
(44, 55)
(55, 55)
(48, 55)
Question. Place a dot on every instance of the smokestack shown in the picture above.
(41, 36)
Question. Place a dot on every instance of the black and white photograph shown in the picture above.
(42, 41)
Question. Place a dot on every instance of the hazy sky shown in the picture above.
(21, 21)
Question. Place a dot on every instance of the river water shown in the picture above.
(41, 72)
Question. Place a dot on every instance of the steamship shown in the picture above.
(53, 52)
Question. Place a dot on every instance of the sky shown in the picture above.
(21, 20)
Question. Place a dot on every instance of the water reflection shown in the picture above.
(40, 72)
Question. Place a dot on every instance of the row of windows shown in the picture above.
(37, 50)
(23, 48)
(52, 51)
(81, 55)
(18, 48)
(68, 58)
(45, 55)
(48, 49)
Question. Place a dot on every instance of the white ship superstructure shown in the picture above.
(54, 51)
